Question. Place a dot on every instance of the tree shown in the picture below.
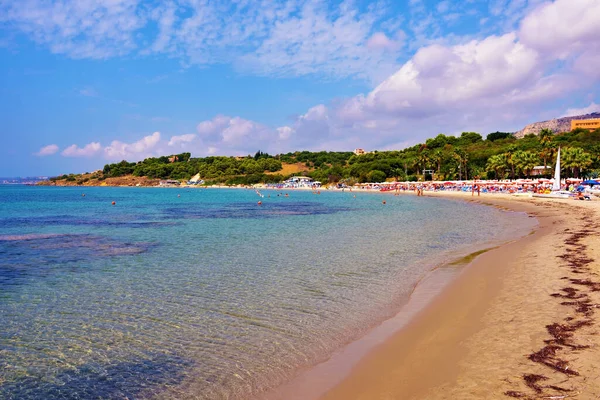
(461, 158)
(548, 148)
(497, 136)
(510, 160)
(398, 174)
(470, 137)
(576, 159)
(524, 161)
(376, 176)
(422, 161)
(437, 157)
(547, 153)
(497, 163)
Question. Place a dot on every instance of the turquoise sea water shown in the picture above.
(207, 295)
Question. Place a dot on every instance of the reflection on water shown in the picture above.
(207, 295)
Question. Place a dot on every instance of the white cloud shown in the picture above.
(236, 135)
(80, 29)
(320, 40)
(562, 27)
(228, 129)
(593, 107)
(181, 139)
(380, 41)
(286, 38)
(443, 6)
(285, 132)
(208, 128)
(47, 150)
(141, 148)
(439, 77)
(88, 150)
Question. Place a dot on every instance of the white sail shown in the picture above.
(195, 178)
(556, 183)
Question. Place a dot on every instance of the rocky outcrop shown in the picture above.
(556, 125)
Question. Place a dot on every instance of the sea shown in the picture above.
(195, 293)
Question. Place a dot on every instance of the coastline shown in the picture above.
(474, 339)
(487, 334)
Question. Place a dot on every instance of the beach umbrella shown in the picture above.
(590, 182)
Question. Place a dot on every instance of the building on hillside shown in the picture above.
(590, 124)
(359, 152)
(173, 159)
(301, 181)
(169, 182)
(541, 170)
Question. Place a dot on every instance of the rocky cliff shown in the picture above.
(555, 125)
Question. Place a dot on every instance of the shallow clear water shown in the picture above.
(207, 295)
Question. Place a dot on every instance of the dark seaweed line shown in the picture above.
(562, 342)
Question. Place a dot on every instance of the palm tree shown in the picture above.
(422, 161)
(548, 148)
(437, 157)
(576, 159)
(545, 137)
(525, 161)
(510, 160)
(548, 153)
(398, 173)
(497, 164)
(461, 158)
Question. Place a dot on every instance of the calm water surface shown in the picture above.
(207, 295)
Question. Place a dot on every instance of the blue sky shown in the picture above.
(87, 82)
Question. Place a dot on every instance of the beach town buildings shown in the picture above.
(301, 181)
(541, 170)
(590, 124)
(169, 182)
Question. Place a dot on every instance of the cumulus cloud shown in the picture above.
(228, 135)
(593, 107)
(47, 150)
(140, 148)
(380, 41)
(88, 150)
(491, 83)
(231, 130)
(544, 51)
(562, 27)
(181, 139)
(285, 132)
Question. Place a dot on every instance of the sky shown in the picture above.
(84, 83)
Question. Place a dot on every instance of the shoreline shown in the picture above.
(481, 336)
(318, 380)
(518, 321)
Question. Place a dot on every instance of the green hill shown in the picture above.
(499, 155)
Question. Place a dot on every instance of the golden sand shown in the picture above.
(519, 322)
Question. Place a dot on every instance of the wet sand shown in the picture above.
(518, 322)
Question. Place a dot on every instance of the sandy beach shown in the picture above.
(518, 322)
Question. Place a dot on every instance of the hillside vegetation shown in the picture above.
(500, 155)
